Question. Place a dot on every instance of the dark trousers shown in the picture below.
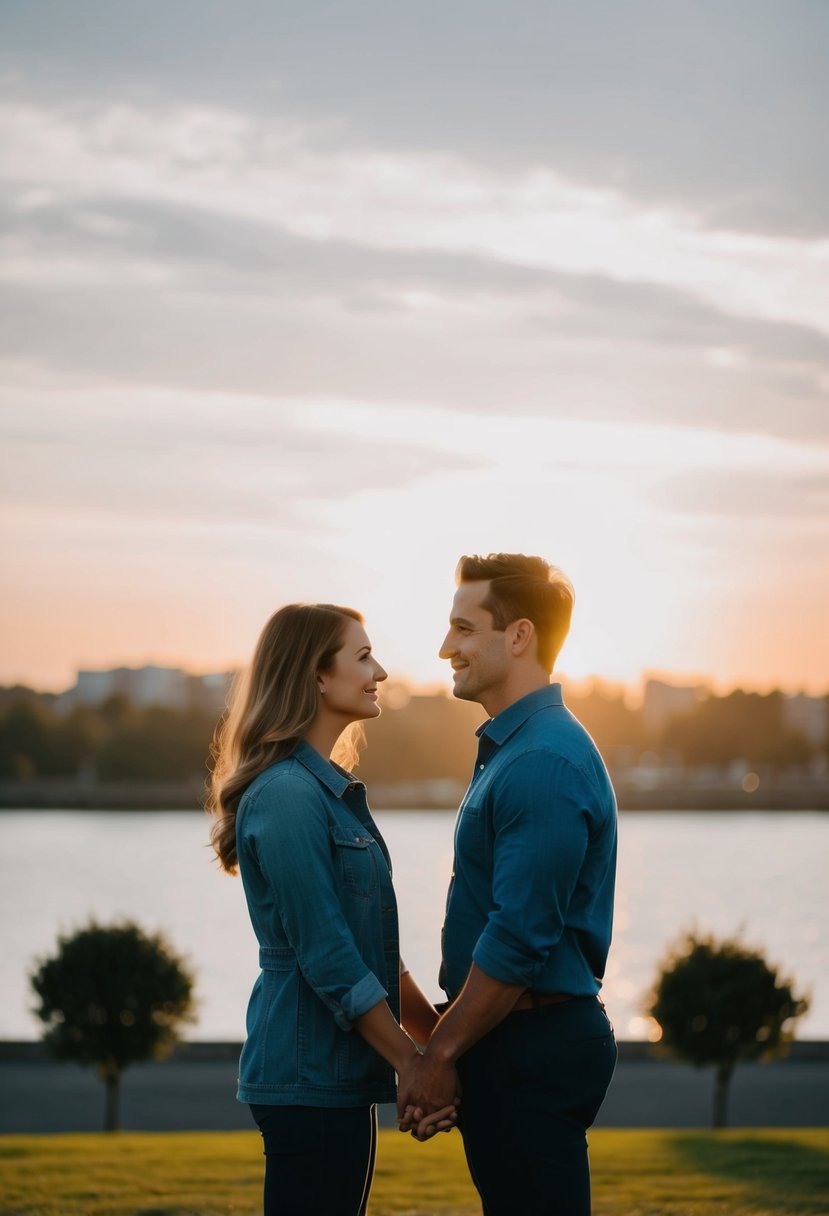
(319, 1161)
(531, 1088)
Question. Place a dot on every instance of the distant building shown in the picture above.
(210, 692)
(807, 715)
(665, 701)
(150, 685)
(91, 688)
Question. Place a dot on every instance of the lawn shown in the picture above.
(635, 1173)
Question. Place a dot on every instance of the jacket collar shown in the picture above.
(511, 719)
(334, 778)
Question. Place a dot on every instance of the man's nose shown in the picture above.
(447, 649)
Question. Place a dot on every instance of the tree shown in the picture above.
(26, 743)
(603, 711)
(740, 726)
(159, 744)
(110, 997)
(718, 1003)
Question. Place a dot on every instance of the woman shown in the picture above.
(323, 1039)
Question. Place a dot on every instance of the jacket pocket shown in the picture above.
(358, 1061)
(355, 859)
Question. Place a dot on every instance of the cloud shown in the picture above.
(152, 290)
(779, 497)
(282, 285)
(280, 174)
(195, 247)
(186, 458)
(713, 109)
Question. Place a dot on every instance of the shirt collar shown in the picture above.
(509, 720)
(334, 778)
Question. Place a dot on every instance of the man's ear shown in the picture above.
(522, 636)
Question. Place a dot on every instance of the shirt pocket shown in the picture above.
(472, 820)
(473, 837)
(355, 860)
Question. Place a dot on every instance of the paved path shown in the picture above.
(196, 1092)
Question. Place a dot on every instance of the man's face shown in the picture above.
(477, 651)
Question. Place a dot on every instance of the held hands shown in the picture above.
(428, 1097)
(423, 1126)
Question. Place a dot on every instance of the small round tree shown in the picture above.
(720, 1002)
(111, 996)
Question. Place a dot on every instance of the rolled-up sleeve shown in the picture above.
(540, 840)
(287, 828)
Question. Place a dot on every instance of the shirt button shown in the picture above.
(480, 768)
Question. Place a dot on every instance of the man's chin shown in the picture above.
(462, 691)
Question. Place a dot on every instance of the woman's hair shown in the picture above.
(272, 705)
(524, 586)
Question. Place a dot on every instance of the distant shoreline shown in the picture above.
(210, 1051)
(689, 795)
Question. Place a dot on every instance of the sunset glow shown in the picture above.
(271, 336)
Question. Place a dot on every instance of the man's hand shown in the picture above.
(429, 1083)
(423, 1127)
(427, 1086)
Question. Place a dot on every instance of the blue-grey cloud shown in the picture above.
(206, 246)
(714, 108)
(248, 307)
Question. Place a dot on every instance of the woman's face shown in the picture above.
(350, 688)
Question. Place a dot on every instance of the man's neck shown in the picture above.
(519, 687)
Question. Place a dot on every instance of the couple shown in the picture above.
(522, 1054)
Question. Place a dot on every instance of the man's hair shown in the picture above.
(523, 586)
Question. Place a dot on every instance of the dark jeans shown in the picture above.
(319, 1161)
(531, 1088)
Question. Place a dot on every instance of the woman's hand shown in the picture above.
(423, 1127)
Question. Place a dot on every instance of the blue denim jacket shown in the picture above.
(531, 897)
(317, 880)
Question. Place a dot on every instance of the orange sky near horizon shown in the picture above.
(657, 590)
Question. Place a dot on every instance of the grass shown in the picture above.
(635, 1173)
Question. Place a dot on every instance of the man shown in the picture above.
(529, 910)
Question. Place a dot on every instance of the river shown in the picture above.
(762, 874)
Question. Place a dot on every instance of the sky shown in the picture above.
(303, 301)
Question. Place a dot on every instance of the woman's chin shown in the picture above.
(365, 713)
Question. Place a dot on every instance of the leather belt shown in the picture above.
(534, 1000)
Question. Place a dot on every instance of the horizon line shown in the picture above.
(704, 684)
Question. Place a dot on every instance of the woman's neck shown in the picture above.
(323, 733)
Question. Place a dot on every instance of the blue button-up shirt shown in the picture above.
(317, 880)
(531, 896)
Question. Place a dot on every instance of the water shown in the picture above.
(762, 874)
